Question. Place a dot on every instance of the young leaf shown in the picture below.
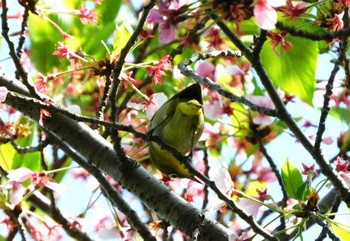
(293, 70)
(123, 33)
(292, 180)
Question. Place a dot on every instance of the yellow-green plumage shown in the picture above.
(179, 122)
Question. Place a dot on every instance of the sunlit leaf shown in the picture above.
(342, 232)
(123, 33)
(292, 180)
(342, 114)
(293, 71)
(7, 153)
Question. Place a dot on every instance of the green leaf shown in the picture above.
(342, 231)
(123, 33)
(43, 37)
(293, 71)
(7, 153)
(342, 114)
(292, 180)
(108, 10)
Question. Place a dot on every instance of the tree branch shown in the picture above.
(137, 180)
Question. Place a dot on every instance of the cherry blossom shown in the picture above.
(87, 16)
(213, 110)
(264, 101)
(309, 170)
(167, 17)
(277, 39)
(294, 9)
(157, 71)
(264, 174)
(206, 69)
(154, 102)
(37, 178)
(253, 207)
(336, 21)
(214, 39)
(342, 166)
(62, 51)
(193, 190)
(265, 12)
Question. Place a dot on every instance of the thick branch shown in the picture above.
(137, 180)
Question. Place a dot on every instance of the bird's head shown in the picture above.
(191, 107)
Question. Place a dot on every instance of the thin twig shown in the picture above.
(123, 53)
(313, 36)
(19, 68)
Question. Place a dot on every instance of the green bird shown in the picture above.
(179, 123)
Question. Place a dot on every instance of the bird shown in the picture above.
(179, 123)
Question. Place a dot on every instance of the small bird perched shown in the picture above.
(179, 123)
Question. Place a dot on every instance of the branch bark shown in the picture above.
(98, 151)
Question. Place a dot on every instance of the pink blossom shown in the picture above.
(41, 83)
(328, 140)
(87, 16)
(308, 124)
(99, 2)
(18, 16)
(213, 110)
(309, 170)
(3, 93)
(223, 180)
(80, 173)
(264, 101)
(214, 39)
(19, 175)
(158, 71)
(342, 166)
(336, 21)
(155, 16)
(17, 191)
(194, 189)
(154, 102)
(253, 207)
(62, 51)
(264, 174)
(295, 9)
(37, 178)
(277, 39)
(167, 17)
(206, 69)
(265, 14)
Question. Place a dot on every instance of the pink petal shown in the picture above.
(266, 16)
(213, 110)
(19, 175)
(206, 69)
(166, 33)
(154, 16)
(158, 100)
(250, 206)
